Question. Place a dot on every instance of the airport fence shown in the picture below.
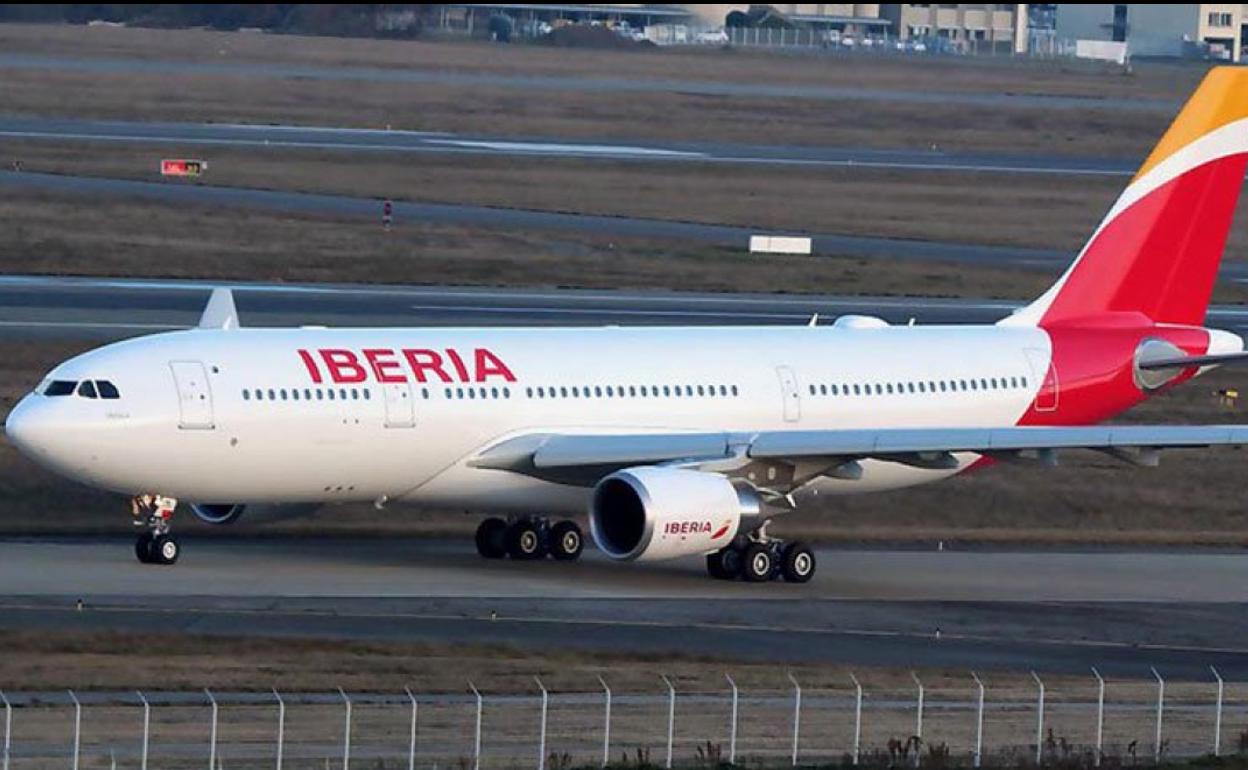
(1068, 724)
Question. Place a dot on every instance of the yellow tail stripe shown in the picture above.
(1222, 98)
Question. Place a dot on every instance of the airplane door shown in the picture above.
(789, 393)
(400, 411)
(194, 396)
(1045, 372)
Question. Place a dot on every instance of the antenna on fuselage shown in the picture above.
(220, 312)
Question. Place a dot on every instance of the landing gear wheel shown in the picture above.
(165, 550)
(758, 564)
(566, 541)
(797, 563)
(143, 548)
(492, 538)
(524, 542)
(724, 564)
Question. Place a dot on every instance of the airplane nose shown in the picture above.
(25, 429)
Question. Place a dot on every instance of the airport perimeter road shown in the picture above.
(380, 140)
(1054, 611)
(581, 83)
(107, 309)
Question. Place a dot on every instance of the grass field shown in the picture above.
(670, 115)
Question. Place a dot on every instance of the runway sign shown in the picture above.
(777, 244)
(182, 167)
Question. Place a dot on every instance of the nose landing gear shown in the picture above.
(156, 545)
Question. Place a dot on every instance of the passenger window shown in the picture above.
(272, 395)
(246, 394)
(107, 389)
(294, 394)
(734, 390)
(87, 389)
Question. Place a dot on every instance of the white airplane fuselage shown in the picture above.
(261, 428)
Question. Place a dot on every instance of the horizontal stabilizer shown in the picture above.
(220, 312)
(1183, 362)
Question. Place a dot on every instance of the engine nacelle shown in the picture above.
(219, 514)
(649, 513)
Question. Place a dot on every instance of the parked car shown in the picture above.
(711, 37)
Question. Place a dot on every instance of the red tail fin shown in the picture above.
(1157, 251)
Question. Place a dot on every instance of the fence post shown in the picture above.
(1100, 716)
(1039, 719)
(411, 746)
(281, 726)
(541, 745)
(147, 726)
(606, 723)
(1161, 704)
(857, 716)
(1217, 716)
(8, 728)
(77, 727)
(212, 736)
(732, 725)
(671, 718)
(476, 740)
(346, 732)
(979, 721)
(918, 719)
(797, 714)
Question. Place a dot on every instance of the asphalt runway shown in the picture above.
(1051, 611)
(399, 141)
(576, 83)
(106, 308)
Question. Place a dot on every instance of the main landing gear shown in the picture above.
(757, 558)
(528, 538)
(156, 545)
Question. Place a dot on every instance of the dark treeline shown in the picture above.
(385, 20)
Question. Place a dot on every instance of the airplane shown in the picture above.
(677, 442)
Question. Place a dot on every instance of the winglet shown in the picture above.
(220, 312)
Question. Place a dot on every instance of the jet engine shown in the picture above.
(219, 514)
(649, 513)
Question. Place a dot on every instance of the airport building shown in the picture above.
(1205, 30)
(967, 27)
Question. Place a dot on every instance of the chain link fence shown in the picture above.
(1073, 724)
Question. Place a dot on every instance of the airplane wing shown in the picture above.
(584, 458)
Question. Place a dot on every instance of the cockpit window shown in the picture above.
(107, 389)
(86, 389)
(60, 388)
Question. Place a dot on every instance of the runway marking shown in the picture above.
(701, 626)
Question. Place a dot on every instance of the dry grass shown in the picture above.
(1039, 211)
(73, 235)
(670, 115)
(125, 661)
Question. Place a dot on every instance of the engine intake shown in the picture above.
(649, 513)
(220, 514)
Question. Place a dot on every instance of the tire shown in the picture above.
(524, 542)
(797, 563)
(165, 550)
(724, 564)
(143, 548)
(492, 538)
(758, 564)
(566, 541)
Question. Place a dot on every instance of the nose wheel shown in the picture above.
(529, 538)
(156, 545)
